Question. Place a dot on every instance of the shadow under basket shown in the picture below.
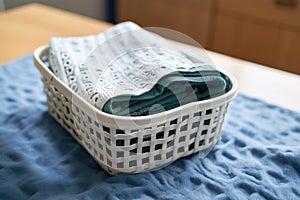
(122, 144)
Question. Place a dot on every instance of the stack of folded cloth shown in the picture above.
(129, 71)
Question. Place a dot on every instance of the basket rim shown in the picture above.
(117, 121)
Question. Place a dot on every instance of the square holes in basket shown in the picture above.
(175, 138)
(138, 149)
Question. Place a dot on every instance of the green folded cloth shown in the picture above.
(171, 91)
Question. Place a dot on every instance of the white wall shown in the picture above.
(92, 8)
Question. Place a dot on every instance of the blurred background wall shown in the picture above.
(2, 7)
(262, 31)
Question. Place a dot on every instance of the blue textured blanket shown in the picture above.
(257, 158)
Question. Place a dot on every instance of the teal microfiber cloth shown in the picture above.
(171, 91)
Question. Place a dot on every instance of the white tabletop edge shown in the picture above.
(268, 84)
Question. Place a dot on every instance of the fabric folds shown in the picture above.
(102, 68)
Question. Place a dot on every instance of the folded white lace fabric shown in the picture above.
(124, 70)
(68, 55)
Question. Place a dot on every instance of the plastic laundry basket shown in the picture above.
(122, 144)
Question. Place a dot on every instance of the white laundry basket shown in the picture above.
(122, 144)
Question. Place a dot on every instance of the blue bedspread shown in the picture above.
(257, 158)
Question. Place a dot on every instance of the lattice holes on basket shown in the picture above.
(137, 150)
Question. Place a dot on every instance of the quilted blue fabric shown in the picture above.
(257, 158)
